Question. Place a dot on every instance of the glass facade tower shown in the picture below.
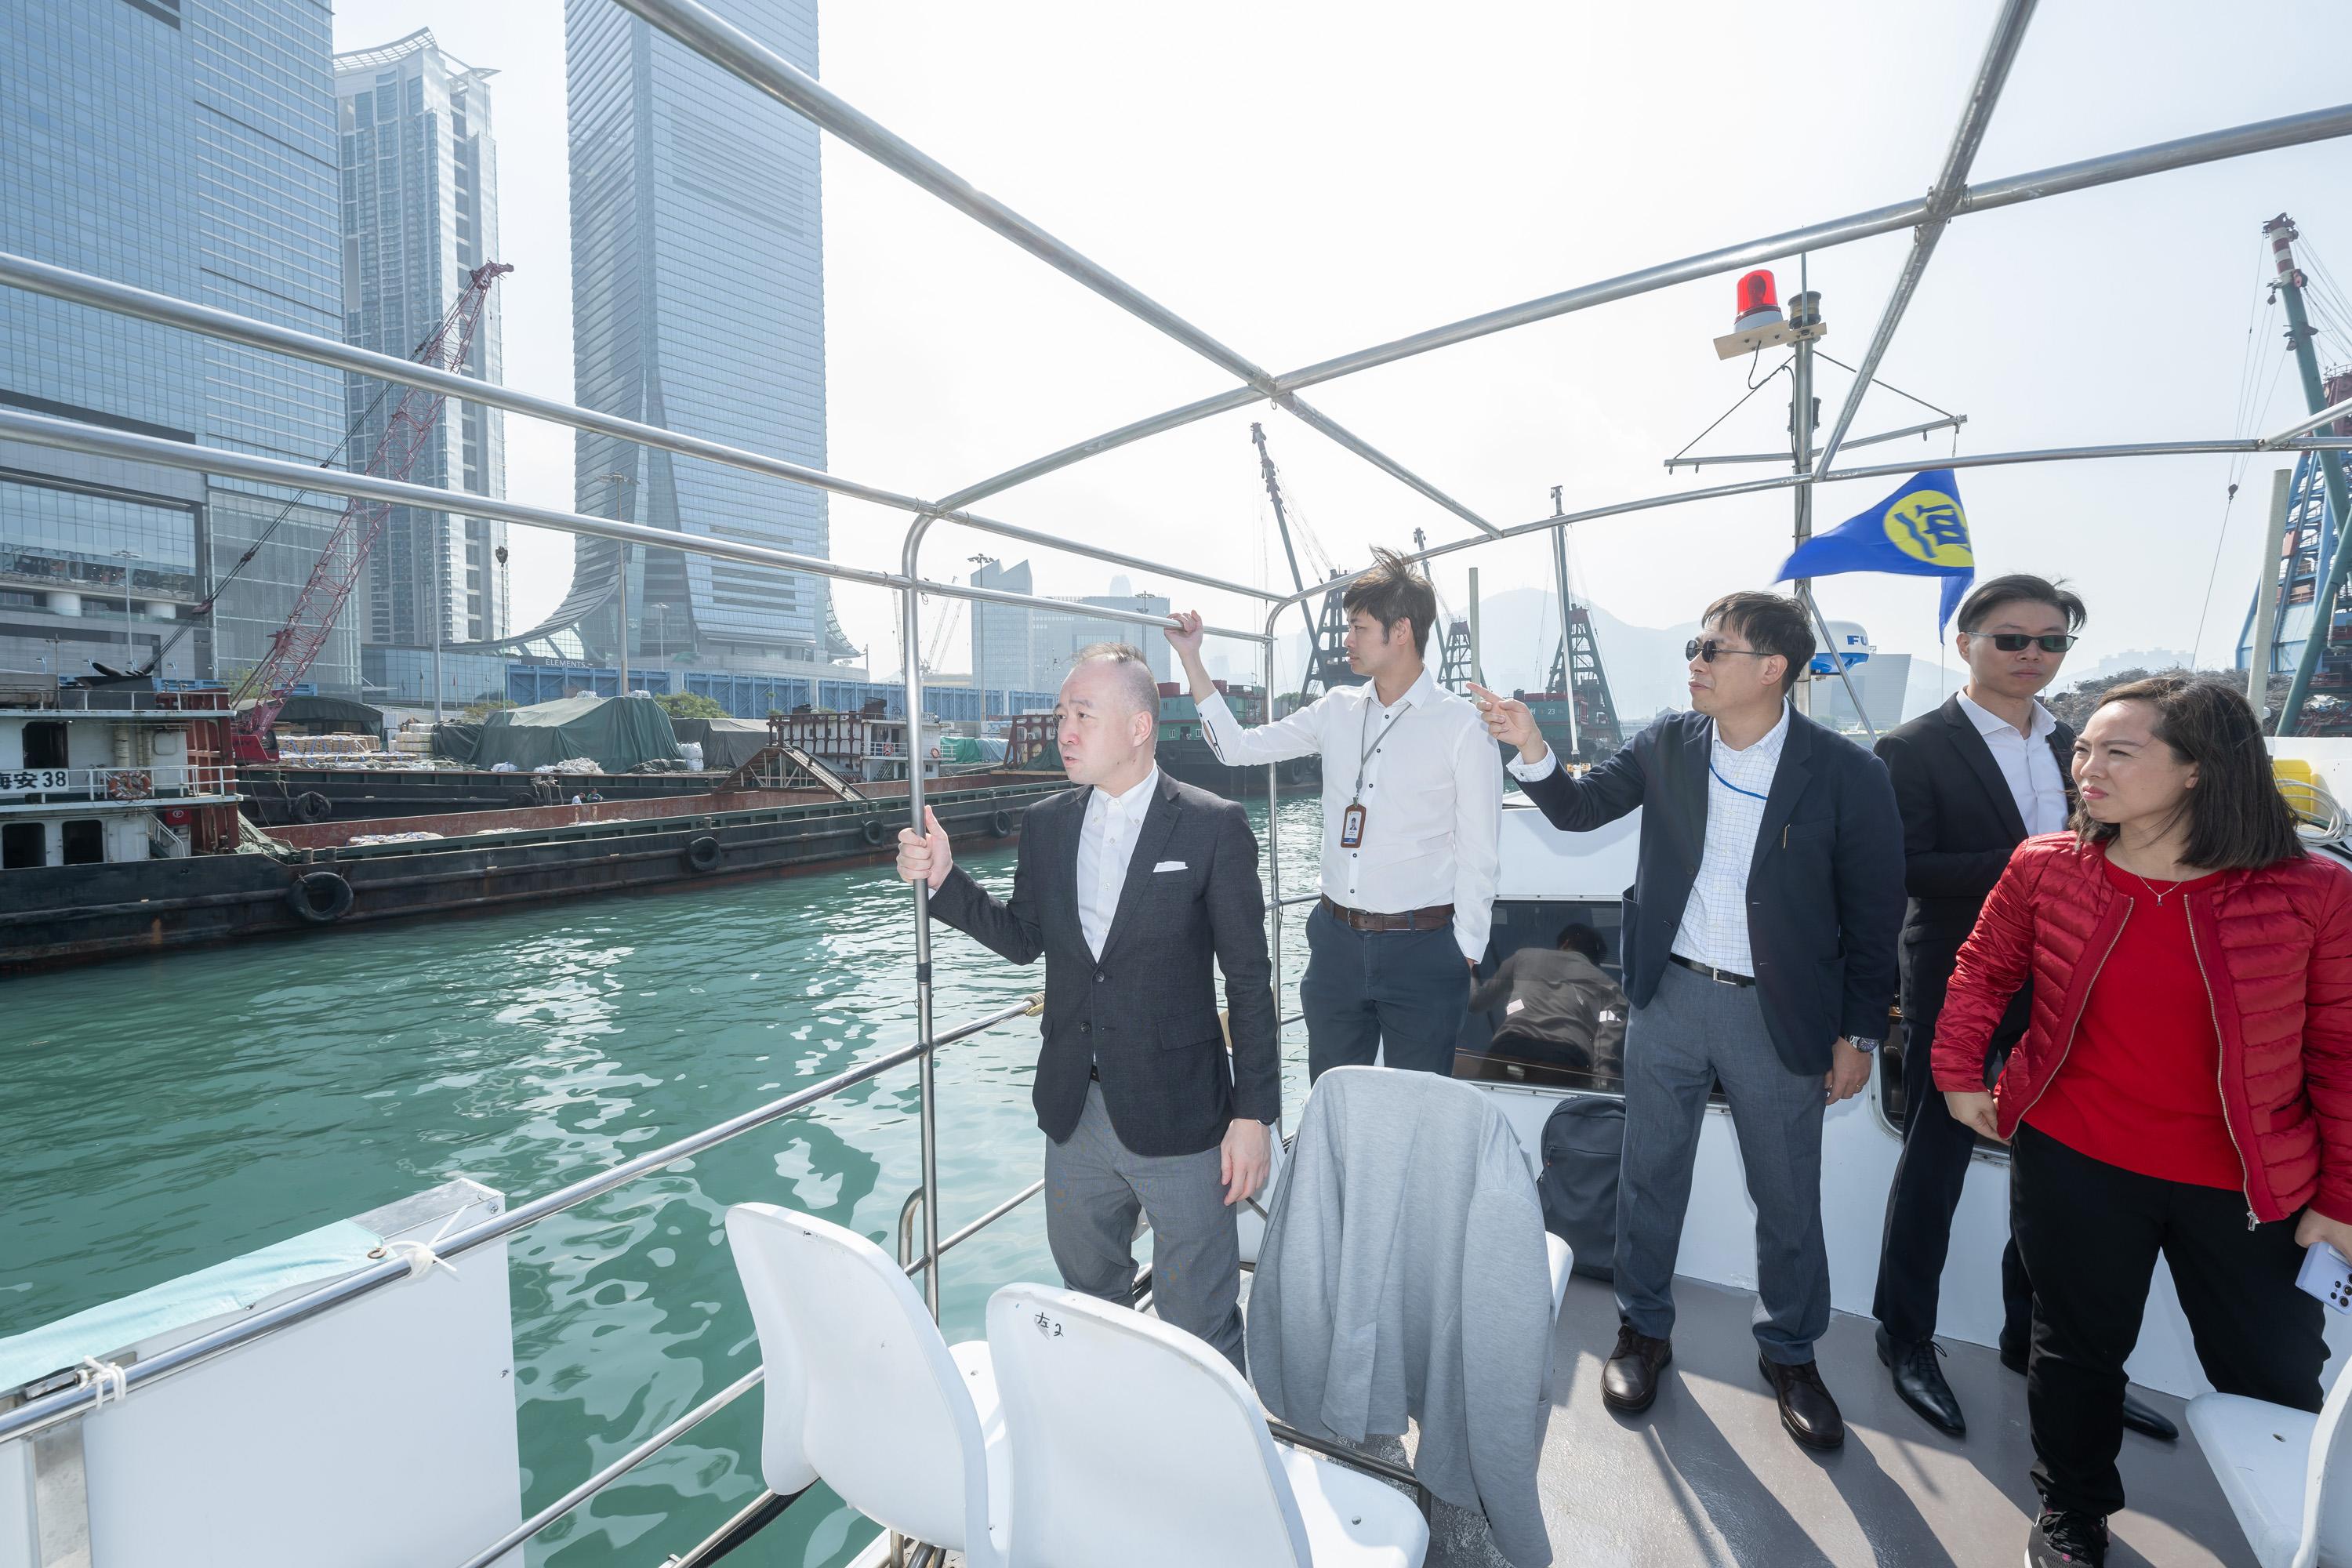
(419, 214)
(698, 305)
(185, 146)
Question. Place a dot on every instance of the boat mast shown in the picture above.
(2290, 285)
(1805, 413)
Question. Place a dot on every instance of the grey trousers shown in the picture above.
(1694, 1032)
(1095, 1187)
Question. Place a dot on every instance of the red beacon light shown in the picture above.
(1760, 303)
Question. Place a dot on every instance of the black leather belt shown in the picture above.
(1432, 919)
(1720, 976)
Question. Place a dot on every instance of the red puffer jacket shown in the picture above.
(2275, 947)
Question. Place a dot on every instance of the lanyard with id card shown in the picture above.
(1351, 821)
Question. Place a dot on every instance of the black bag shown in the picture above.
(1583, 1144)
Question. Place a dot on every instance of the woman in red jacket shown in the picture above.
(2185, 1087)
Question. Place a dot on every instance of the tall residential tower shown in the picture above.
(698, 305)
(420, 212)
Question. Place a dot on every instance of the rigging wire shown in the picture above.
(1753, 388)
(2243, 420)
(1890, 386)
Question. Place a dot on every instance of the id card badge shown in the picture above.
(1351, 828)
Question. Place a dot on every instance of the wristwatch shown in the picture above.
(1862, 1043)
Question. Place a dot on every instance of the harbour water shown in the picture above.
(168, 1113)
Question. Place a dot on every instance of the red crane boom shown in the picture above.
(296, 644)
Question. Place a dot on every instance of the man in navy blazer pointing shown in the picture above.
(1759, 948)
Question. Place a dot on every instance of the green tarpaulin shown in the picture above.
(619, 732)
(727, 743)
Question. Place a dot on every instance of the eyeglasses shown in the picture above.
(2014, 642)
(1706, 650)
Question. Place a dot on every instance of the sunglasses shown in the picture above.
(2014, 642)
(1706, 650)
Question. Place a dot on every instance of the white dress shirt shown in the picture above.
(1715, 922)
(1106, 845)
(2026, 763)
(1432, 797)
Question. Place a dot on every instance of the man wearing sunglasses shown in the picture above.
(1974, 778)
(1759, 949)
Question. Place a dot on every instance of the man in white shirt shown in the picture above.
(1759, 953)
(1413, 790)
(1130, 885)
(1974, 778)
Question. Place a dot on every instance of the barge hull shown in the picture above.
(85, 913)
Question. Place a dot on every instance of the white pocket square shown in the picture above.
(1168, 866)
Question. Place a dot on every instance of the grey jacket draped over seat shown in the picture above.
(1404, 1274)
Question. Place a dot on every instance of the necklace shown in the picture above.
(2159, 897)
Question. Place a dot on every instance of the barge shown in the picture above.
(120, 835)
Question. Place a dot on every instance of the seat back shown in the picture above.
(2327, 1485)
(860, 1388)
(1133, 1442)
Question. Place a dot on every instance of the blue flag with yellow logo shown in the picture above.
(1919, 532)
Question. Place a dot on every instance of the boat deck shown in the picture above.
(1707, 1475)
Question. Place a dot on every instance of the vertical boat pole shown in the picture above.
(2284, 234)
(1801, 439)
(1566, 642)
(1273, 827)
(910, 627)
(1478, 668)
(2266, 595)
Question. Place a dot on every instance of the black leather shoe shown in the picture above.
(2062, 1539)
(1919, 1383)
(1630, 1382)
(2139, 1416)
(1806, 1408)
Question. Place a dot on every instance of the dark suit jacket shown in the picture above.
(1825, 889)
(1147, 1011)
(1960, 823)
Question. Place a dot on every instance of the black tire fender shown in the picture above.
(312, 806)
(1001, 824)
(873, 832)
(321, 897)
(702, 853)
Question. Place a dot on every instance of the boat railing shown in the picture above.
(64, 1404)
(157, 780)
(1953, 196)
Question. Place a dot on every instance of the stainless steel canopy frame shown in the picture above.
(1950, 197)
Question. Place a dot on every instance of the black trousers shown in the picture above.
(1928, 1178)
(2091, 1233)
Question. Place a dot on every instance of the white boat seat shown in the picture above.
(2286, 1474)
(1135, 1443)
(863, 1392)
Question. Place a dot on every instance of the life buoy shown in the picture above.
(312, 806)
(321, 897)
(702, 853)
(1001, 824)
(935, 753)
(873, 832)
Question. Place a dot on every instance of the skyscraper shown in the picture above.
(419, 214)
(698, 305)
(185, 146)
(1016, 649)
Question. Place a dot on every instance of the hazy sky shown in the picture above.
(1301, 180)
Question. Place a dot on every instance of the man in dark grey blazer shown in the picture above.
(1759, 948)
(1129, 885)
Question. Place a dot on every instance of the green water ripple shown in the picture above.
(172, 1111)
